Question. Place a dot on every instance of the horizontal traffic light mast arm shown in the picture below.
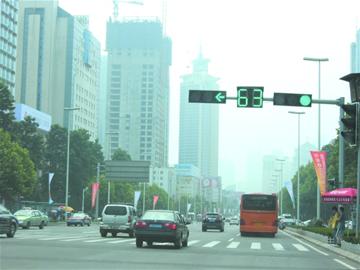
(316, 101)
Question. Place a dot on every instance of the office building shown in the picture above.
(355, 54)
(139, 57)
(199, 123)
(8, 41)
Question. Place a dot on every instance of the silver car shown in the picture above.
(118, 218)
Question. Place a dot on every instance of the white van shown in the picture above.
(118, 218)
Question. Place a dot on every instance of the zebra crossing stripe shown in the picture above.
(97, 240)
(300, 247)
(233, 245)
(211, 244)
(193, 242)
(57, 238)
(73, 239)
(255, 245)
(120, 241)
(278, 246)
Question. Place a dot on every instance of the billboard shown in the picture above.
(43, 119)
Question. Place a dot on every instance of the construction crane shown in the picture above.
(116, 5)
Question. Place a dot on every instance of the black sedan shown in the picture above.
(161, 226)
(213, 221)
(8, 222)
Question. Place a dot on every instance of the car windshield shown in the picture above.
(158, 215)
(115, 210)
(212, 215)
(78, 215)
(23, 213)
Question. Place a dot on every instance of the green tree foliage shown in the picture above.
(308, 181)
(6, 108)
(17, 172)
(28, 137)
(120, 154)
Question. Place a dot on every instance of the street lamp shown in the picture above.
(275, 179)
(298, 160)
(281, 183)
(83, 194)
(319, 60)
(68, 155)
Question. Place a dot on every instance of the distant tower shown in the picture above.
(199, 123)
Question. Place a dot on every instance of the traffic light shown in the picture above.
(354, 81)
(207, 96)
(350, 122)
(250, 97)
(287, 99)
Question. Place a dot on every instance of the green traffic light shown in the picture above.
(305, 100)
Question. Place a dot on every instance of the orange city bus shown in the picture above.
(258, 214)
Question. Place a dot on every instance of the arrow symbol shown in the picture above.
(219, 97)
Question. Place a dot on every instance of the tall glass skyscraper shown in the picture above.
(8, 34)
(139, 57)
(199, 123)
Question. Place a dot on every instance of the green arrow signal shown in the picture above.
(219, 97)
(305, 100)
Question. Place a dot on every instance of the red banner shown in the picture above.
(319, 159)
(155, 200)
(94, 190)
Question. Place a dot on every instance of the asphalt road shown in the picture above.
(61, 247)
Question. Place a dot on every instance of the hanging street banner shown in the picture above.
(155, 200)
(136, 198)
(94, 190)
(319, 159)
(51, 175)
(289, 186)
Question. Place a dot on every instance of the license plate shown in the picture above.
(157, 226)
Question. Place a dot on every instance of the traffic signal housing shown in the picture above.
(350, 122)
(250, 96)
(288, 99)
(207, 96)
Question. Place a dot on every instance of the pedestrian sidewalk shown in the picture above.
(347, 250)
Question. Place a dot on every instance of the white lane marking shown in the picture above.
(120, 241)
(211, 244)
(97, 240)
(57, 238)
(300, 247)
(231, 239)
(255, 245)
(278, 246)
(74, 239)
(193, 242)
(306, 244)
(344, 264)
(233, 245)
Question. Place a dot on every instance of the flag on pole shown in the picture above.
(155, 200)
(319, 159)
(289, 186)
(51, 175)
(136, 198)
(94, 191)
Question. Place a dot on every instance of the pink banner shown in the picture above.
(319, 159)
(94, 189)
(155, 200)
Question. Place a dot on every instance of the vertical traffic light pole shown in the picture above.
(341, 144)
(358, 176)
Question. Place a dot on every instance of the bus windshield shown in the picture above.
(259, 202)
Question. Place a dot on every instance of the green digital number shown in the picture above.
(257, 98)
(243, 99)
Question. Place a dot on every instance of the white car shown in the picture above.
(234, 221)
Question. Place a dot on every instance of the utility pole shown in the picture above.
(97, 192)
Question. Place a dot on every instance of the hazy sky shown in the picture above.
(254, 42)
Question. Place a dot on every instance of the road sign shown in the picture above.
(250, 96)
(207, 96)
(288, 99)
(127, 171)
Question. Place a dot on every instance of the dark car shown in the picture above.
(213, 221)
(8, 222)
(161, 226)
(79, 219)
